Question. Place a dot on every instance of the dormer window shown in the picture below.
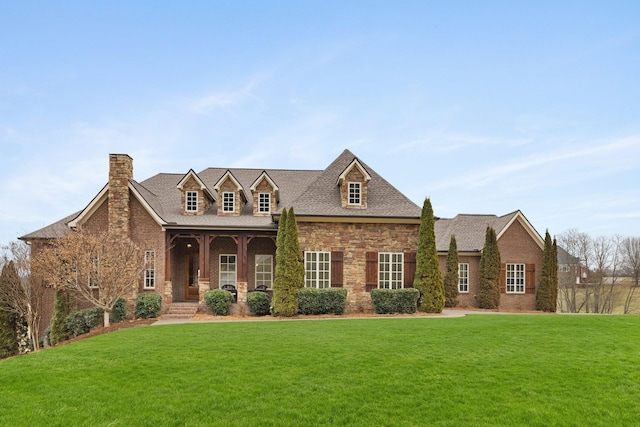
(264, 202)
(228, 201)
(355, 193)
(354, 186)
(191, 201)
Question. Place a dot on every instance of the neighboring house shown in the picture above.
(571, 272)
(217, 228)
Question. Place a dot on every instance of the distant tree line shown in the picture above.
(601, 276)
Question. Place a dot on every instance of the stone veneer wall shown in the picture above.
(263, 187)
(354, 241)
(354, 175)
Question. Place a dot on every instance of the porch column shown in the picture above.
(203, 272)
(168, 284)
(242, 268)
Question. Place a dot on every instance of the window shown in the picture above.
(227, 270)
(227, 201)
(149, 269)
(192, 201)
(564, 268)
(264, 202)
(463, 277)
(515, 278)
(317, 269)
(390, 270)
(93, 274)
(264, 270)
(354, 193)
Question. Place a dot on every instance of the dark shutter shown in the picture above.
(336, 270)
(503, 278)
(372, 271)
(530, 279)
(409, 269)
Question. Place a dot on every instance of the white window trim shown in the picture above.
(235, 271)
(358, 186)
(318, 281)
(226, 206)
(460, 277)
(191, 201)
(267, 196)
(270, 263)
(95, 264)
(514, 277)
(149, 270)
(399, 284)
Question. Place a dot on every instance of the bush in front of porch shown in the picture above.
(219, 301)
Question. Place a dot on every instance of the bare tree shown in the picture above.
(101, 267)
(631, 258)
(20, 292)
(606, 270)
(579, 245)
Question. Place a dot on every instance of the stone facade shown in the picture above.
(264, 187)
(354, 175)
(228, 186)
(354, 241)
(204, 203)
(120, 172)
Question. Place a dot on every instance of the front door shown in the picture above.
(191, 290)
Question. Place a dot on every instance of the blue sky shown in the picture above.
(483, 106)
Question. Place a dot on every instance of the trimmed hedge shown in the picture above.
(148, 305)
(219, 301)
(119, 312)
(82, 321)
(395, 300)
(259, 304)
(321, 301)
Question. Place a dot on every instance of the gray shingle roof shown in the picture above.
(309, 192)
(470, 230)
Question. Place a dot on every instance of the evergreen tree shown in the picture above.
(63, 304)
(295, 267)
(489, 289)
(546, 298)
(451, 277)
(279, 290)
(285, 300)
(428, 277)
(8, 332)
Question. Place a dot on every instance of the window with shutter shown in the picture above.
(409, 269)
(371, 271)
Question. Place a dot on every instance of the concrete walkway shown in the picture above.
(446, 313)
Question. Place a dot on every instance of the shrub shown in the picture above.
(259, 303)
(395, 300)
(119, 312)
(148, 305)
(321, 301)
(219, 301)
(82, 321)
(63, 304)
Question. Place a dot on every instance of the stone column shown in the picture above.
(242, 292)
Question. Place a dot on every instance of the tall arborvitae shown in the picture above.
(548, 286)
(279, 282)
(285, 300)
(8, 332)
(451, 277)
(280, 247)
(294, 255)
(63, 304)
(428, 277)
(489, 288)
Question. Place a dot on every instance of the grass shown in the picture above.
(479, 370)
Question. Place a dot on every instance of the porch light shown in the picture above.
(188, 245)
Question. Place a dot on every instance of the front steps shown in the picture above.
(181, 310)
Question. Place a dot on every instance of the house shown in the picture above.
(217, 228)
(520, 246)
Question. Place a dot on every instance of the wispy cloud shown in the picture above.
(224, 99)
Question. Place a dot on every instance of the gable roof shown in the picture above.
(322, 196)
(265, 176)
(192, 175)
(470, 230)
(355, 163)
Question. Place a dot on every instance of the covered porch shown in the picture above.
(197, 261)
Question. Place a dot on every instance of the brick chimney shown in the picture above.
(120, 172)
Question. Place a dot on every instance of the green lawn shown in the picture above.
(479, 370)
